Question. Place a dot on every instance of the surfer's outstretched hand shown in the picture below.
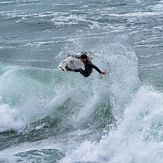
(103, 73)
(68, 55)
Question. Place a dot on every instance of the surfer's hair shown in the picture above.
(83, 56)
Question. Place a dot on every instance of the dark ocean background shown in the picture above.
(49, 116)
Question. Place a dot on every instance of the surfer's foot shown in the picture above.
(67, 68)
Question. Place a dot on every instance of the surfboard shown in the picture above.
(73, 62)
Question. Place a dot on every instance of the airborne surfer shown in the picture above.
(88, 66)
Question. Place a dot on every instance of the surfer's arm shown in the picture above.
(97, 69)
(75, 56)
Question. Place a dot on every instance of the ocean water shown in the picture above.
(49, 116)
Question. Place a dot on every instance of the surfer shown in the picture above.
(88, 66)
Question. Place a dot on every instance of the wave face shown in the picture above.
(47, 115)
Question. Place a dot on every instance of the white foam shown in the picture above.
(9, 119)
(138, 138)
(138, 14)
(158, 7)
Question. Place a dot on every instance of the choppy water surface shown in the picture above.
(51, 116)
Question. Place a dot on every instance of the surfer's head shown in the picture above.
(83, 57)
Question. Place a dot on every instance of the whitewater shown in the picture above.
(49, 116)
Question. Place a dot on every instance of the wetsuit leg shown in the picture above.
(84, 73)
(69, 69)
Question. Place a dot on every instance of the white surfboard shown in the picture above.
(73, 62)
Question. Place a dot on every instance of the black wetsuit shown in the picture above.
(88, 69)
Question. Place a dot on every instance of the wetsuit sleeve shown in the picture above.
(96, 68)
(75, 56)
